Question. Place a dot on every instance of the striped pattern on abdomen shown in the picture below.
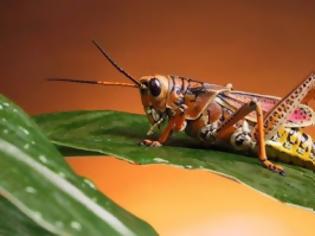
(290, 145)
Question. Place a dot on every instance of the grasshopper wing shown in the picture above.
(302, 116)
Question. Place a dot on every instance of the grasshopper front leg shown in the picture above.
(227, 128)
(175, 123)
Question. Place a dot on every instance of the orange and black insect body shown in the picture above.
(220, 116)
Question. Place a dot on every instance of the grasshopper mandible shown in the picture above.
(223, 117)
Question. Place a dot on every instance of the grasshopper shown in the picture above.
(220, 116)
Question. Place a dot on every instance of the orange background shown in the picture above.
(258, 46)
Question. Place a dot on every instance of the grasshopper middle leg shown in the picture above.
(228, 127)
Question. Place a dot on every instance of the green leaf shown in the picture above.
(16, 223)
(35, 179)
(118, 134)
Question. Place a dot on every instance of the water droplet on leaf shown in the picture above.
(76, 225)
(30, 189)
(42, 158)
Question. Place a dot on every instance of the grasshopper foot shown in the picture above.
(151, 143)
(274, 168)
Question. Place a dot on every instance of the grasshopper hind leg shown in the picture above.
(280, 113)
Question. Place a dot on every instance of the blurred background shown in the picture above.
(259, 46)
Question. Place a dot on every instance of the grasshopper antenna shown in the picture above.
(107, 56)
(104, 83)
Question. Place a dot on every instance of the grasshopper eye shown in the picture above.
(155, 87)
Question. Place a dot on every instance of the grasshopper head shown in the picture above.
(153, 91)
